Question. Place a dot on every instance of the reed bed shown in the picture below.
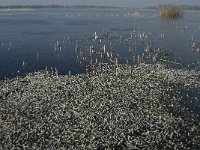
(170, 11)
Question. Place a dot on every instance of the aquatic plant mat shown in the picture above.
(112, 107)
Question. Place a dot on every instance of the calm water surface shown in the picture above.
(29, 37)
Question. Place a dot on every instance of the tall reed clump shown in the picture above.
(170, 11)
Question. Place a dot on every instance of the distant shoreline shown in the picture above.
(56, 6)
(15, 9)
(12, 7)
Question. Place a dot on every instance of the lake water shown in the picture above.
(27, 38)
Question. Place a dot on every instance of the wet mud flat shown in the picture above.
(110, 107)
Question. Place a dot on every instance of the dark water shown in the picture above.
(27, 38)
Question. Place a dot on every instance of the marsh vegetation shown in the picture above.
(170, 11)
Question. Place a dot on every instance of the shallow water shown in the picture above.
(27, 38)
